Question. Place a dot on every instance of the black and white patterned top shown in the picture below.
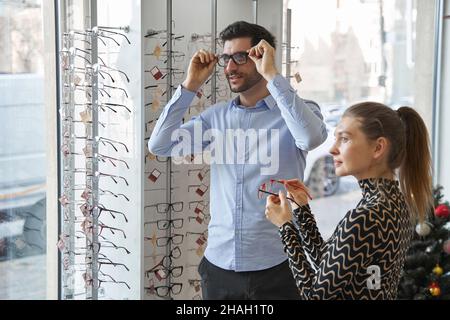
(363, 258)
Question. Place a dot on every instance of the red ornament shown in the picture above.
(434, 289)
(442, 211)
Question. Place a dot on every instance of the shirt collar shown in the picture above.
(268, 102)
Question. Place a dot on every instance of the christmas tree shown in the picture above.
(426, 274)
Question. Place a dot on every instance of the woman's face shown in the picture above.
(352, 151)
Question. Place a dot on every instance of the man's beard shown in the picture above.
(249, 82)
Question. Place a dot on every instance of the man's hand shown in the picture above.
(263, 55)
(200, 69)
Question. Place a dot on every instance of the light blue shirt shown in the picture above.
(240, 237)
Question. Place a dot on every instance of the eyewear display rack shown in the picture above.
(97, 134)
(176, 208)
(133, 224)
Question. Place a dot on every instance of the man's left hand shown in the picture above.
(263, 55)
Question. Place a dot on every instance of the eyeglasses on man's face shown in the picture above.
(238, 58)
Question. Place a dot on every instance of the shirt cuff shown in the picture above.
(181, 99)
(300, 212)
(278, 85)
(184, 90)
(184, 96)
(286, 230)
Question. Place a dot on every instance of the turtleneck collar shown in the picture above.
(373, 186)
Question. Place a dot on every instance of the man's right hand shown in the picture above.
(200, 69)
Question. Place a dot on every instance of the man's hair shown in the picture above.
(242, 29)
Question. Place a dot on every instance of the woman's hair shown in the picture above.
(242, 29)
(409, 149)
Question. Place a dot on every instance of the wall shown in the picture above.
(444, 151)
(270, 16)
(50, 96)
(424, 61)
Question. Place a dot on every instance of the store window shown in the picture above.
(22, 152)
(346, 52)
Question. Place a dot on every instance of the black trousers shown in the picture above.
(276, 283)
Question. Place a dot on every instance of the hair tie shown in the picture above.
(402, 120)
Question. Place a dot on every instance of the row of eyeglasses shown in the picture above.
(94, 104)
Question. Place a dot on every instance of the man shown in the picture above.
(244, 258)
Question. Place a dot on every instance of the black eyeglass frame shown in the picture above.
(224, 59)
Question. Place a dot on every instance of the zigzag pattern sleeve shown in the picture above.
(311, 239)
(356, 241)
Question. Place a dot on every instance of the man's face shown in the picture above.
(240, 77)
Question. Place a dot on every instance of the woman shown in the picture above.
(364, 257)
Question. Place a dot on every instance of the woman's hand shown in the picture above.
(277, 209)
(297, 190)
